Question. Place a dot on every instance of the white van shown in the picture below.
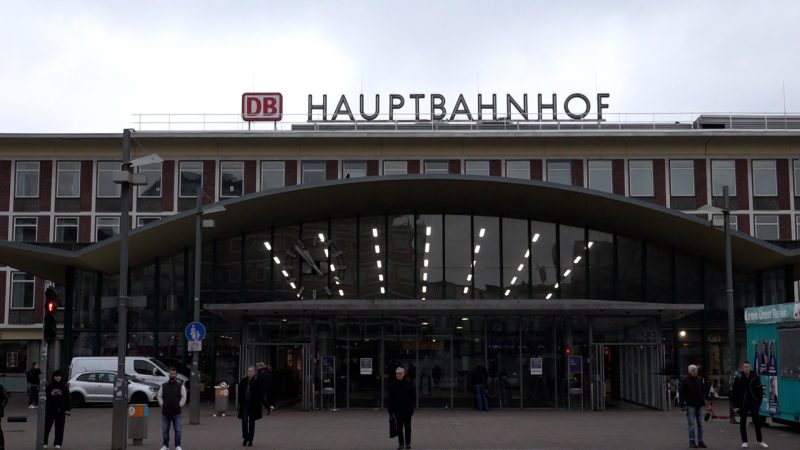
(145, 368)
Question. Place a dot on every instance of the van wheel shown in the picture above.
(139, 398)
(77, 399)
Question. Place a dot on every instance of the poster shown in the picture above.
(366, 366)
(772, 404)
(536, 366)
(12, 360)
(765, 358)
(327, 365)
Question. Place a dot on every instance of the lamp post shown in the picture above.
(125, 178)
(726, 213)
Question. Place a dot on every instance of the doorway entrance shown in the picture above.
(628, 374)
(291, 372)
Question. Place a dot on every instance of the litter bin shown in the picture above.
(221, 400)
(137, 423)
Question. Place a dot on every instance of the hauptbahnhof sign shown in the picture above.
(576, 106)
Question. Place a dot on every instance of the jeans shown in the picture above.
(753, 411)
(176, 425)
(248, 424)
(481, 402)
(58, 419)
(694, 415)
(403, 429)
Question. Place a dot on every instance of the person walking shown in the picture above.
(33, 377)
(479, 377)
(251, 398)
(401, 400)
(57, 407)
(264, 375)
(171, 398)
(692, 395)
(4, 395)
(746, 398)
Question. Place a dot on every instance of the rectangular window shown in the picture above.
(436, 168)
(559, 172)
(105, 182)
(480, 168)
(313, 172)
(518, 169)
(142, 221)
(191, 178)
(765, 178)
(681, 178)
(231, 178)
(796, 163)
(640, 178)
(107, 227)
(68, 179)
(395, 167)
(767, 227)
(273, 175)
(718, 220)
(25, 229)
(27, 181)
(152, 174)
(600, 176)
(723, 173)
(354, 169)
(21, 290)
(66, 229)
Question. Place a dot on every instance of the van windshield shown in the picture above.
(160, 365)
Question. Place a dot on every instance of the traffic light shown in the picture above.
(50, 324)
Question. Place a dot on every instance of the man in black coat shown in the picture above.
(33, 376)
(401, 401)
(251, 397)
(746, 398)
(57, 406)
(693, 399)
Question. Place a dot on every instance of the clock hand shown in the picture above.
(308, 259)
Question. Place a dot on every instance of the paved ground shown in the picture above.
(90, 429)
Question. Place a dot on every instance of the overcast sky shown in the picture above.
(88, 66)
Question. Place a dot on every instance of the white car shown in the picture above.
(98, 387)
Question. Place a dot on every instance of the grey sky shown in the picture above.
(87, 66)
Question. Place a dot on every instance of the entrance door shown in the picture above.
(625, 374)
(291, 378)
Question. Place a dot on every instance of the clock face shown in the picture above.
(315, 268)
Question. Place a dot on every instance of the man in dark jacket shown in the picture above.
(3, 402)
(171, 398)
(692, 398)
(264, 375)
(56, 408)
(401, 401)
(746, 398)
(33, 376)
(251, 398)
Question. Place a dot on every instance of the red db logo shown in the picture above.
(262, 106)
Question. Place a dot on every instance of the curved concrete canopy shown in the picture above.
(453, 194)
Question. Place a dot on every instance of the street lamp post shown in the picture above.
(726, 213)
(194, 395)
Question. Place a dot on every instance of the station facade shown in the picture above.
(579, 267)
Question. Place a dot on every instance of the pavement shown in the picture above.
(630, 428)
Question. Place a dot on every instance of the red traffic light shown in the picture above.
(51, 306)
(567, 350)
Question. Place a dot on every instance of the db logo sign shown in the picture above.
(262, 106)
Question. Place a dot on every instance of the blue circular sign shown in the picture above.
(195, 331)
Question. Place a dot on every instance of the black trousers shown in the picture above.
(753, 411)
(33, 395)
(248, 425)
(403, 429)
(2, 438)
(58, 419)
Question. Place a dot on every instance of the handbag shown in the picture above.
(392, 427)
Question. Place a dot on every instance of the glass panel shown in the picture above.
(354, 169)
(313, 172)
(345, 237)
(543, 259)
(22, 290)
(640, 175)
(430, 256)
(436, 167)
(83, 314)
(518, 169)
(273, 175)
(516, 258)
(486, 254)
(284, 286)
(401, 256)
(688, 278)
(152, 173)
(630, 269)
(331, 340)
(659, 273)
(400, 349)
(173, 304)
(477, 168)
(767, 227)
(559, 172)
(66, 229)
(107, 227)
(142, 305)
(257, 268)
(231, 178)
(395, 167)
(365, 342)
(469, 359)
(435, 354)
(313, 255)
(723, 173)
(503, 352)
(601, 265)
(796, 164)
(765, 182)
(191, 178)
(458, 257)
(681, 178)
(228, 270)
(109, 299)
(68, 179)
(600, 176)
(27, 179)
(573, 262)
(105, 184)
(372, 257)
(25, 229)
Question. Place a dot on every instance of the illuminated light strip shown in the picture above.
(508, 291)
(276, 259)
(321, 237)
(379, 264)
(549, 296)
(268, 245)
(428, 231)
(380, 277)
(513, 280)
(567, 272)
(425, 276)
(377, 248)
(374, 232)
(383, 290)
(527, 254)
(482, 232)
(427, 247)
(521, 266)
(466, 289)
(535, 237)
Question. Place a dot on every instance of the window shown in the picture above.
(559, 172)
(518, 169)
(21, 290)
(25, 229)
(767, 228)
(107, 227)
(354, 169)
(142, 221)
(313, 172)
(436, 168)
(797, 227)
(477, 168)
(191, 178)
(231, 178)
(105, 182)
(152, 174)
(68, 179)
(718, 220)
(765, 178)
(395, 167)
(796, 163)
(273, 175)
(144, 367)
(66, 229)
(88, 377)
(723, 173)
(681, 178)
(600, 176)
(27, 179)
(640, 177)
(106, 377)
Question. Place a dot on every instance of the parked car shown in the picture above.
(145, 368)
(98, 387)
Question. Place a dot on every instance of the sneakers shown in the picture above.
(178, 448)
(32, 406)
(763, 445)
(57, 446)
(692, 444)
(164, 448)
(744, 444)
(701, 444)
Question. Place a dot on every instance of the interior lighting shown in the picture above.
(268, 245)
(341, 293)
(535, 237)
(424, 324)
(521, 266)
(379, 264)
(425, 276)
(377, 248)
(527, 254)
(294, 286)
(374, 232)
(459, 327)
(321, 237)
(466, 289)
(424, 289)
(576, 260)
(477, 248)
(423, 298)
(427, 231)
(567, 272)
(469, 277)
(590, 244)
(333, 268)
(508, 291)
(425, 262)
(276, 259)
(513, 280)
(285, 273)
(549, 296)
(682, 333)
(380, 277)
(555, 286)
(482, 232)
(326, 252)
(383, 290)
(427, 247)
